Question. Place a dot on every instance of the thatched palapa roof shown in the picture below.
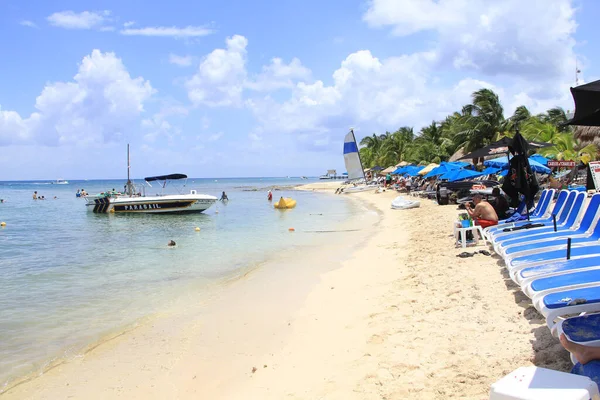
(587, 135)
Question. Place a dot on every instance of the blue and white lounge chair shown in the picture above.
(555, 255)
(561, 213)
(568, 302)
(542, 210)
(544, 237)
(551, 284)
(524, 276)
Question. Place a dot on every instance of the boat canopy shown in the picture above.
(165, 177)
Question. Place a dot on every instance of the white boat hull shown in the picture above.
(362, 188)
(401, 203)
(186, 203)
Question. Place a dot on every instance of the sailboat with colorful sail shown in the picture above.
(354, 167)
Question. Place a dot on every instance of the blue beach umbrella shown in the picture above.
(502, 162)
(460, 174)
(443, 168)
(414, 170)
(491, 170)
(540, 159)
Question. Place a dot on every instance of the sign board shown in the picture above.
(565, 163)
(594, 167)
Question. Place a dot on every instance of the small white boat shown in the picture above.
(402, 203)
(134, 201)
(359, 188)
(60, 182)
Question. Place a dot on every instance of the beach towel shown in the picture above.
(526, 226)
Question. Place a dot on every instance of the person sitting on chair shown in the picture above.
(483, 213)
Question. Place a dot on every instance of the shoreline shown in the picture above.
(399, 317)
(214, 290)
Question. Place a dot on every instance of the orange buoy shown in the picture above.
(291, 230)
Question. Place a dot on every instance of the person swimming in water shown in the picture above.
(171, 243)
(224, 197)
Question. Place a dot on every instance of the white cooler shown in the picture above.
(533, 383)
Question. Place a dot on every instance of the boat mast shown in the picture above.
(362, 168)
(129, 185)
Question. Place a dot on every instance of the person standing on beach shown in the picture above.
(388, 180)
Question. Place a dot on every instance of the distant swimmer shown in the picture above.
(78, 194)
(270, 195)
(171, 243)
(224, 197)
(35, 195)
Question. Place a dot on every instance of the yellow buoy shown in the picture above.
(3, 223)
(197, 229)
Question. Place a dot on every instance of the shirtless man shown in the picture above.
(483, 213)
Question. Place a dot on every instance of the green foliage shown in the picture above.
(476, 125)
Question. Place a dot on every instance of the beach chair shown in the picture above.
(550, 284)
(582, 329)
(524, 276)
(588, 231)
(568, 302)
(561, 217)
(516, 264)
(574, 227)
(541, 210)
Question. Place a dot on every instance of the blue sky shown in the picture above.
(238, 88)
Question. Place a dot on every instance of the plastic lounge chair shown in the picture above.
(586, 228)
(561, 216)
(570, 226)
(582, 329)
(550, 256)
(551, 284)
(541, 209)
(524, 276)
(543, 214)
(568, 302)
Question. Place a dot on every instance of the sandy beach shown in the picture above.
(400, 317)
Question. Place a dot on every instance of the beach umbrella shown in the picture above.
(491, 170)
(377, 168)
(428, 168)
(402, 164)
(520, 178)
(587, 104)
(460, 174)
(502, 162)
(501, 147)
(539, 159)
(389, 170)
(442, 169)
(414, 170)
(402, 170)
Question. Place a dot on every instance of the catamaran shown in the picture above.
(354, 166)
(135, 201)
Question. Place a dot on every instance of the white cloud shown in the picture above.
(82, 20)
(98, 106)
(532, 39)
(279, 75)
(159, 126)
(220, 78)
(182, 61)
(107, 29)
(28, 23)
(165, 31)
(128, 24)
(216, 136)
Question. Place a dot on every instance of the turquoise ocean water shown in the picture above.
(69, 277)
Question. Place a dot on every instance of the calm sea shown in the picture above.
(69, 277)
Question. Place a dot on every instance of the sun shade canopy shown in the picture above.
(165, 177)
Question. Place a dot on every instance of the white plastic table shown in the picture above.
(462, 233)
(533, 383)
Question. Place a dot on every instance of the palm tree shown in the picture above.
(395, 147)
(480, 121)
(371, 152)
